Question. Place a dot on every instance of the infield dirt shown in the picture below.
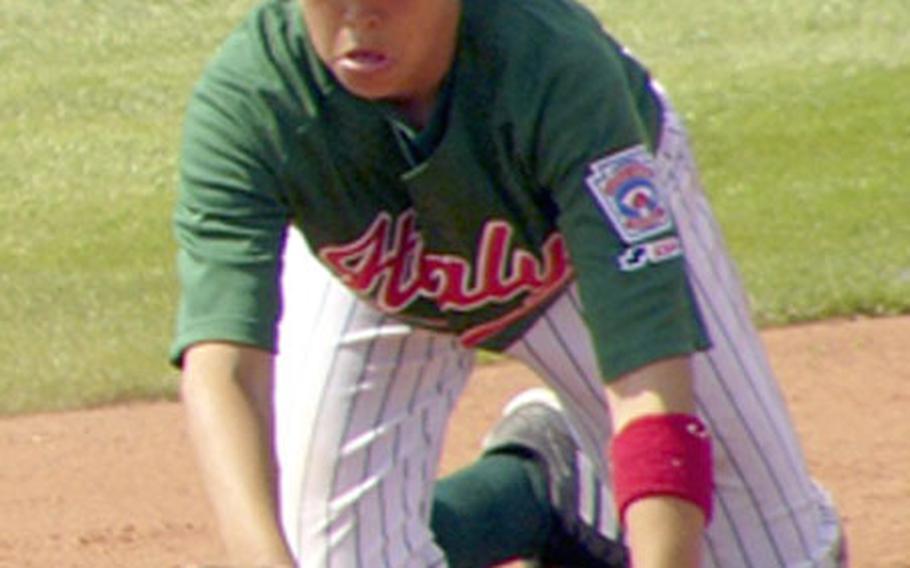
(118, 487)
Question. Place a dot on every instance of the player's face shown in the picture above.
(396, 50)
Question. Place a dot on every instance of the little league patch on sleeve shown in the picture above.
(624, 186)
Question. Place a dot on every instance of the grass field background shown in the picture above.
(798, 111)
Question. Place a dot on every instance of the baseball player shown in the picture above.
(372, 190)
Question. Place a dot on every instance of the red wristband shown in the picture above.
(666, 454)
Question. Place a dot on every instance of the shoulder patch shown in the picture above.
(624, 186)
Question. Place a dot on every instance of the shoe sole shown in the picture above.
(545, 396)
(532, 396)
(537, 395)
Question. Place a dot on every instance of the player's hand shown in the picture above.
(226, 393)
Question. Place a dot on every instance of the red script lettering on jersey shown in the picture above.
(396, 270)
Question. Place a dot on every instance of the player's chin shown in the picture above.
(368, 87)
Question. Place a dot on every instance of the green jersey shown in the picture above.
(534, 172)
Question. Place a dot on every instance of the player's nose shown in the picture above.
(361, 14)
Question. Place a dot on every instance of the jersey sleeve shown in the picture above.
(594, 154)
(229, 221)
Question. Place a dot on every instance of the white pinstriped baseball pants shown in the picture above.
(362, 403)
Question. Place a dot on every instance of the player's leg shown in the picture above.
(533, 494)
(492, 511)
(361, 404)
(750, 530)
(768, 510)
(558, 348)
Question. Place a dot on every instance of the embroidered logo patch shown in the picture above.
(623, 185)
(655, 252)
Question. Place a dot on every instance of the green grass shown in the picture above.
(91, 104)
(799, 118)
(797, 110)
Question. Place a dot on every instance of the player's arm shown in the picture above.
(593, 148)
(660, 530)
(229, 222)
(644, 322)
(226, 392)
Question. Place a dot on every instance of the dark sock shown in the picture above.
(492, 511)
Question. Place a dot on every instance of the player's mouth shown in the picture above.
(364, 61)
